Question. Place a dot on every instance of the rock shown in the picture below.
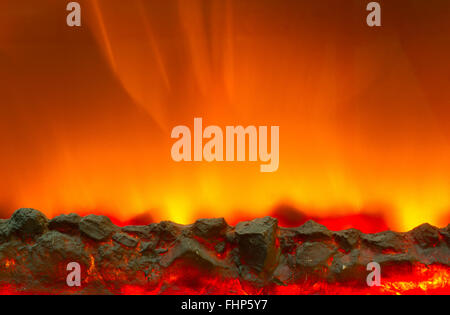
(148, 247)
(191, 251)
(312, 231)
(166, 230)
(166, 257)
(52, 252)
(282, 274)
(387, 240)
(160, 251)
(125, 239)
(256, 242)
(288, 240)
(60, 246)
(395, 259)
(426, 235)
(347, 239)
(312, 255)
(347, 267)
(220, 247)
(98, 228)
(209, 227)
(433, 255)
(112, 256)
(26, 223)
(445, 232)
(65, 223)
(230, 237)
(141, 231)
(3, 230)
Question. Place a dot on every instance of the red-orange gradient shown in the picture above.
(86, 113)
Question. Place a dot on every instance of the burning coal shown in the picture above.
(211, 257)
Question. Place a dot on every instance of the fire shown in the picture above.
(422, 280)
(433, 279)
(86, 114)
(9, 263)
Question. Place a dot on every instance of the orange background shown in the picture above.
(86, 113)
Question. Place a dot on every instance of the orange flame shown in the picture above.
(86, 113)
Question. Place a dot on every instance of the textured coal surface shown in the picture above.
(35, 251)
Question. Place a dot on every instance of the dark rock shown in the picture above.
(434, 255)
(109, 257)
(348, 268)
(34, 254)
(27, 223)
(160, 251)
(220, 247)
(311, 255)
(387, 240)
(98, 228)
(282, 275)
(148, 247)
(141, 231)
(230, 237)
(288, 240)
(312, 231)
(3, 230)
(55, 250)
(251, 279)
(395, 259)
(125, 239)
(65, 223)
(342, 262)
(291, 260)
(191, 251)
(347, 239)
(426, 235)
(59, 245)
(166, 230)
(445, 232)
(209, 227)
(256, 240)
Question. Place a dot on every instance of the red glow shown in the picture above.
(429, 280)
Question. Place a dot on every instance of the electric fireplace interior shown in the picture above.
(224, 147)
